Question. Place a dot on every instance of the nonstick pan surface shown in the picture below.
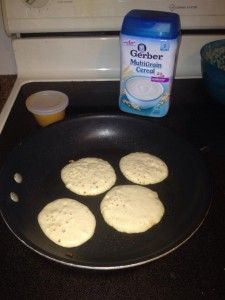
(186, 193)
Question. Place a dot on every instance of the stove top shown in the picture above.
(187, 115)
(195, 117)
(84, 97)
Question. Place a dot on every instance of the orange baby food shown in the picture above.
(47, 106)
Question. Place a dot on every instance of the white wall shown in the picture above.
(7, 61)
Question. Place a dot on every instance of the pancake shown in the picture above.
(143, 168)
(67, 222)
(131, 208)
(88, 176)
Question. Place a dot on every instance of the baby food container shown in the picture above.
(47, 106)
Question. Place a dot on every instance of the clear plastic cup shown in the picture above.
(47, 106)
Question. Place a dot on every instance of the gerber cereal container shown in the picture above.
(149, 43)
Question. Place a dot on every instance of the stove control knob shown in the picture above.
(36, 3)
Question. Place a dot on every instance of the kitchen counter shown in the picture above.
(6, 84)
(195, 270)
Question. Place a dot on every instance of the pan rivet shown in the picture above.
(18, 178)
(14, 197)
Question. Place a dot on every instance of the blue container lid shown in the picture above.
(150, 23)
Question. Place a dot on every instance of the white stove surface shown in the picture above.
(97, 15)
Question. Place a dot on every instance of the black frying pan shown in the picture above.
(186, 193)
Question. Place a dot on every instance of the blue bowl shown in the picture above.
(213, 69)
